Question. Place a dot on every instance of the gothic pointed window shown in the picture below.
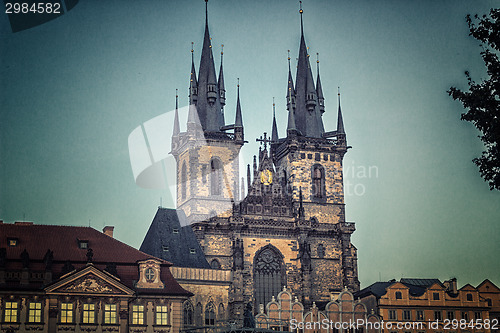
(188, 313)
(210, 314)
(183, 181)
(318, 181)
(269, 274)
(198, 314)
(215, 177)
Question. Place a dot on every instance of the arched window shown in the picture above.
(188, 313)
(318, 181)
(198, 314)
(183, 181)
(210, 314)
(215, 264)
(269, 274)
(215, 177)
(399, 295)
(321, 251)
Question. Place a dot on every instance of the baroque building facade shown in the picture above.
(429, 305)
(77, 279)
(290, 229)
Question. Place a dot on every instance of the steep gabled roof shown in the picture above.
(166, 239)
(487, 283)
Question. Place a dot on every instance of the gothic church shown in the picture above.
(289, 229)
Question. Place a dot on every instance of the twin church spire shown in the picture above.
(305, 100)
(207, 92)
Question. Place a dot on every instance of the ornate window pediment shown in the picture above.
(149, 274)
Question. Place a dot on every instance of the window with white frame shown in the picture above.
(88, 314)
(110, 314)
(11, 312)
(138, 314)
(161, 315)
(66, 313)
(35, 312)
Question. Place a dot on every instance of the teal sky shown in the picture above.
(73, 89)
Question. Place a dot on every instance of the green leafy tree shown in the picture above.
(482, 100)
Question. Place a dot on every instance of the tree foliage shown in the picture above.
(482, 100)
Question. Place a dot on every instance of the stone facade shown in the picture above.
(290, 229)
(211, 292)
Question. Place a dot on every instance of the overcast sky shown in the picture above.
(73, 89)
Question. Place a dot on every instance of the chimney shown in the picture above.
(108, 230)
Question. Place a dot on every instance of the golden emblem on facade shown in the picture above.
(266, 177)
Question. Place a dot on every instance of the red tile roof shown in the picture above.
(64, 242)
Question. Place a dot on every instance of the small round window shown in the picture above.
(150, 275)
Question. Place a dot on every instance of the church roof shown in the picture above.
(168, 240)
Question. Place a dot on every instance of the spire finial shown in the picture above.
(317, 63)
(340, 121)
(206, 12)
(176, 115)
(238, 83)
(221, 49)
(274, 133)
(301, 12)
(192, 53)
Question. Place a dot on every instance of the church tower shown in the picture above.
(290, 229)
(207, 152)
(309, 161)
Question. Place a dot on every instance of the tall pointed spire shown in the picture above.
(193, 81)
(238, 122)
(177, 128)
(208, 103)
(319, 89)
(308, 115)
(340, 121)
(222, 90)
(274, 133)
(249, 180)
